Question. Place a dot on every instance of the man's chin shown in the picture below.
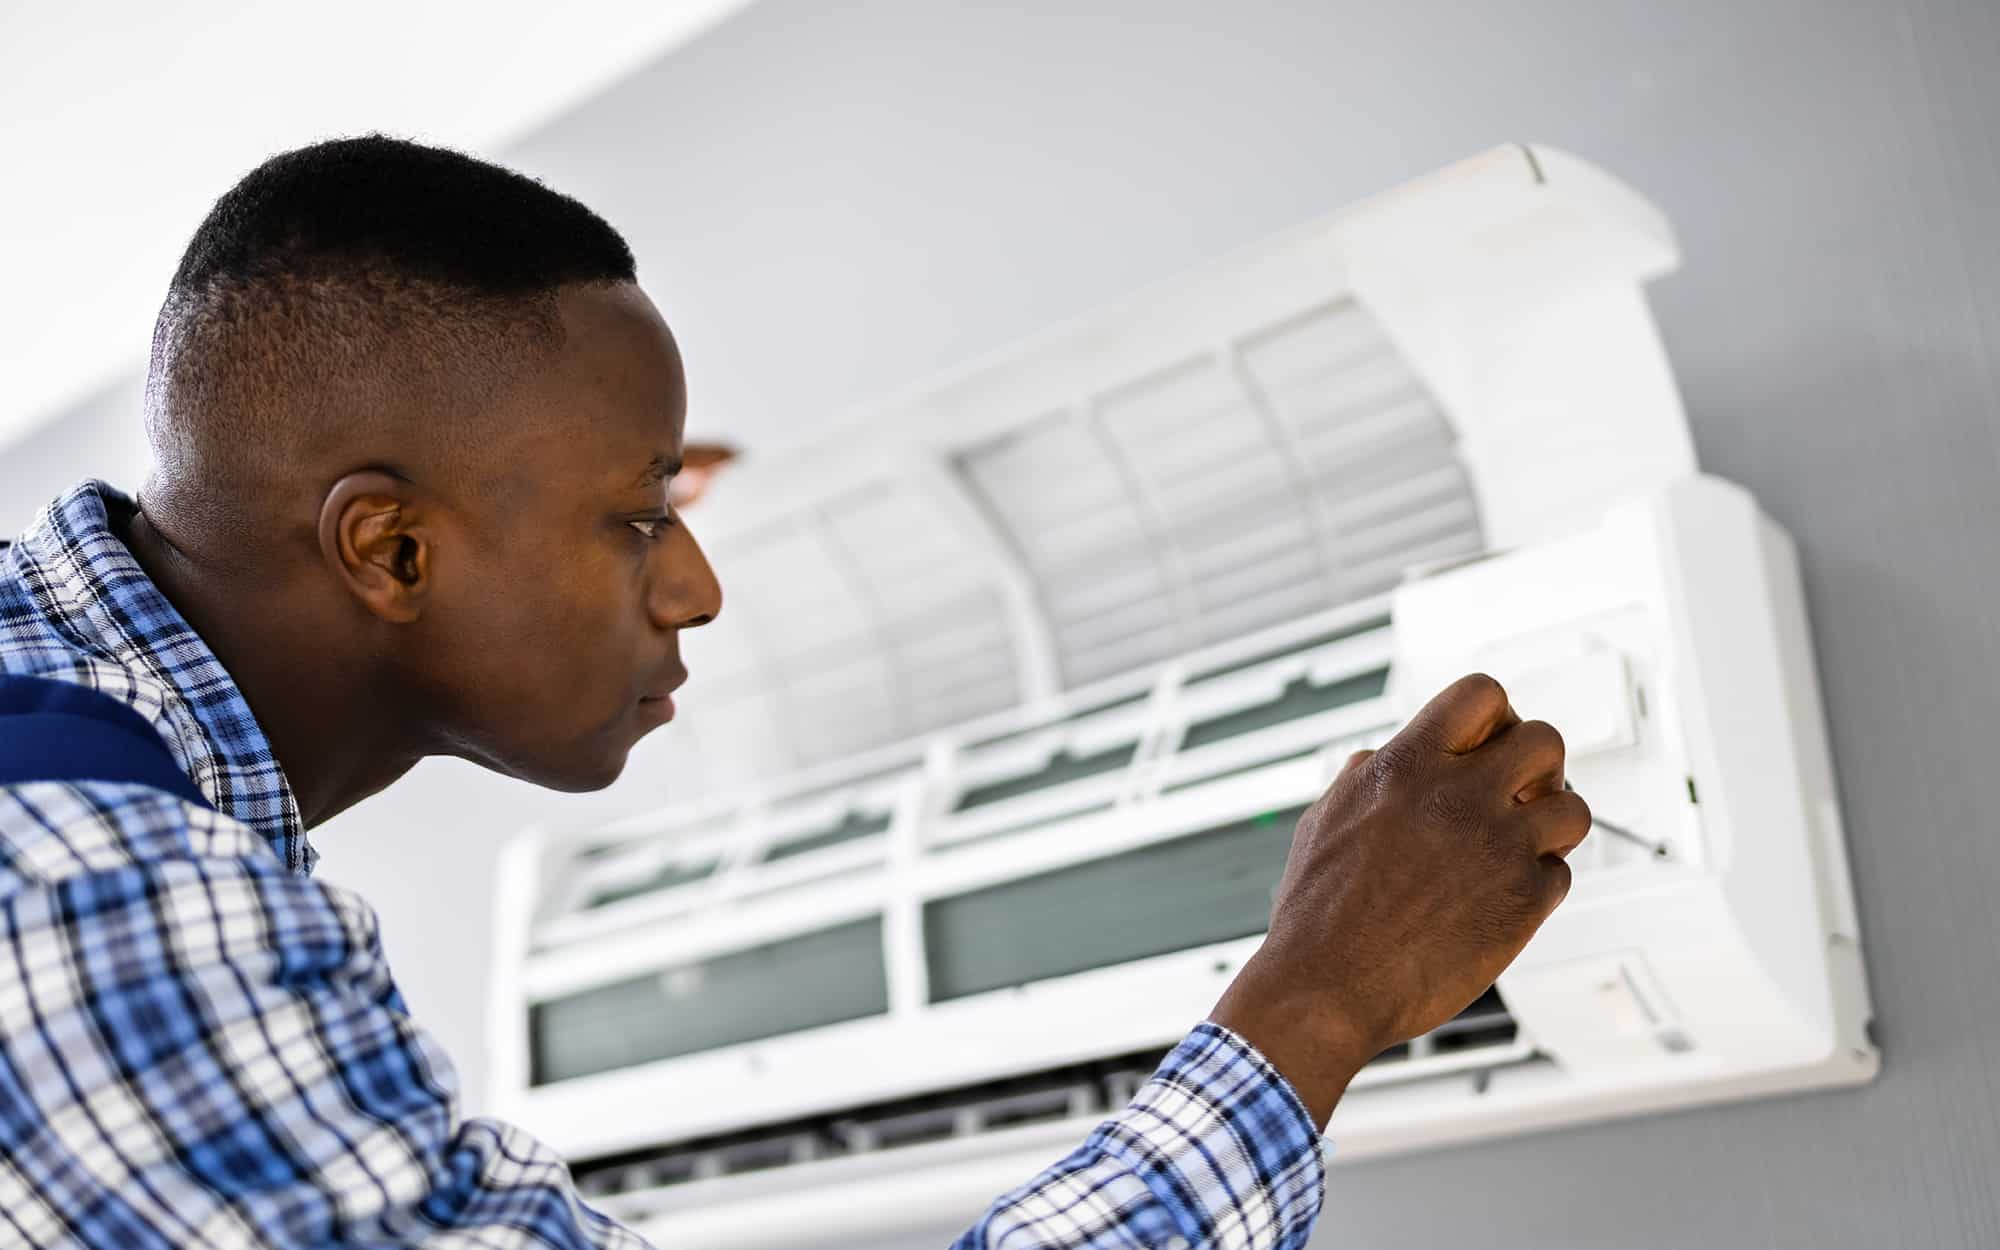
(586, 778)
(567, 776)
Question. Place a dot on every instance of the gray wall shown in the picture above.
(831, 200)
(99, 437)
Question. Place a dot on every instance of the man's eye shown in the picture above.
(652, 526)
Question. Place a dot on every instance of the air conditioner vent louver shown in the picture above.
(1065, 767)
(1303, 467)
(864, 623)
(850, 827)
(1206, 887)
(1483, 1035)
(666, 878)
(1300, 698)
(831, 976)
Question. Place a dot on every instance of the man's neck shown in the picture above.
(335, 738)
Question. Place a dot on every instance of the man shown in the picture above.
(414, 426)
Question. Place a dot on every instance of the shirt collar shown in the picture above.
(104, 603)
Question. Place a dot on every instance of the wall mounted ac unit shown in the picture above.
(1028, 674)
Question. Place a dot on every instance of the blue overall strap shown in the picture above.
(60, 731)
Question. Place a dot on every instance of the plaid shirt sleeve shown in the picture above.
(1216, 1151)
(199, 1047)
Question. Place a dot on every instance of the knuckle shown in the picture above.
(1555, 885)
(1542, 738)
(1354, 771)
(1306, 828)
(1557, 835)
(1573, 816)
(1482, 686)
(1528, 885)
(1395, 757)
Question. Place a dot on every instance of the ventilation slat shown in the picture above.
(1280, 603)
(1217, 547)
(1085, 664)
(1412, 529)
(993, 668)
(1343, 394)
(1088, 590)
(1413, 423)
(1224, 483)
(1126, 620)
(1351, 502)
(954, 704)
(1328, 339)
(1377, 576)
(1235, 587)
(1112, 528)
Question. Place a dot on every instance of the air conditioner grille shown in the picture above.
(1299, 699)
(851, 827)
(825, 977)
(1190, 891)
(1484, 1032)
(1063, 768)
(1302, 466)
(666, 878)
(861, 623)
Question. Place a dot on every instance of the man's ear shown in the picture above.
(374, 540)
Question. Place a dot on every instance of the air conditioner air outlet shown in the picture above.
(1076, 1091)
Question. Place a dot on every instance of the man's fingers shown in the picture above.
(1531, 753)
(1557, 822)
(1555, 884)
(1467, 713)
(1354, 761)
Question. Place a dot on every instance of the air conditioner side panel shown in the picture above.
(1736, 599)
(1734, 944)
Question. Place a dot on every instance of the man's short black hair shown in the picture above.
(423, 214)
(370, 280)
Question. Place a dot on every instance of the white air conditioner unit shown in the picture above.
(1027, 675)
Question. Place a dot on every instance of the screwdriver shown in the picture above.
(1659, 850)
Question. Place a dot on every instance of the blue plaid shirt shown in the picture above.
(202, 1046)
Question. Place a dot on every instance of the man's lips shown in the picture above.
(664, 693)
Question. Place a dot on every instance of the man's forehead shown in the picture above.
(616, 403)
(614, 316)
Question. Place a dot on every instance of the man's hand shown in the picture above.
(1418, 876)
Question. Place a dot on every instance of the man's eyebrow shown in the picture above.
(658, 471)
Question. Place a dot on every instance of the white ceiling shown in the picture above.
(121, 122)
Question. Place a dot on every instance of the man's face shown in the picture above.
(552, 634)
